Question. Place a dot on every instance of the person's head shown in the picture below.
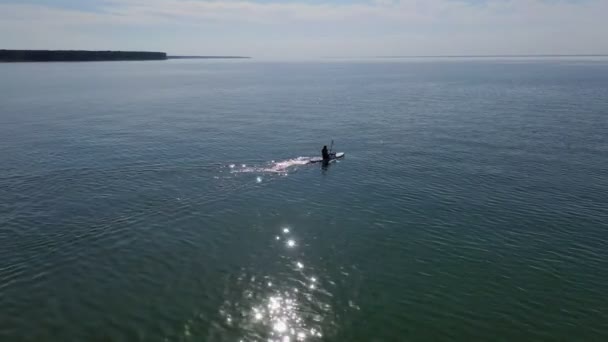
(325, 147)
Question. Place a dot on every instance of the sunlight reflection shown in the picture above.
(280, 327)
(257, 315)
(282, 313)
(285, 309)
(276, 299)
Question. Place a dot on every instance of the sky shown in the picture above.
(309, 28)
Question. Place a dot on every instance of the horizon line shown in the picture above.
(481, 56)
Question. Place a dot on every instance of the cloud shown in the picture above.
(378, 27)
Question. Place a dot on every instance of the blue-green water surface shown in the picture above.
(169, 201)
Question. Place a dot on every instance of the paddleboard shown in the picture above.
(338, 155)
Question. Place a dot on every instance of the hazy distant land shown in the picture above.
(206, 57)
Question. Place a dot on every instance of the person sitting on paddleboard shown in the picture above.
(325, 154)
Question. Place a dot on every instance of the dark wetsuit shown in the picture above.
(325, 154)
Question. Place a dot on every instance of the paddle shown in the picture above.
(331, 146)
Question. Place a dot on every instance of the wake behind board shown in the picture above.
(332, 157)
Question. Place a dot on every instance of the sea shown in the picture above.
(174, 200)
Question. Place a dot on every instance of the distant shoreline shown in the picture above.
(15, 56)
(78, 56)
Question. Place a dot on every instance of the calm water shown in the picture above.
(166, 201)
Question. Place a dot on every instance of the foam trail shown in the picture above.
(274, 167)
